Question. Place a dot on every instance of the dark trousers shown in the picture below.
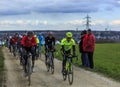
(29, 50)
(85, 60)
(65, 58)
(90, 58)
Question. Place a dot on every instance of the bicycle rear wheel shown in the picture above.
(70, 74)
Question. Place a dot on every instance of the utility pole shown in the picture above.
(87, 21)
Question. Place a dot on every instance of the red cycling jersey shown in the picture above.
(28, 42)
(14, 40)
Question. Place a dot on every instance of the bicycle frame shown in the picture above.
(68, 64)
(50, 61)
(69, 69)
(28, 67)
(29, 71)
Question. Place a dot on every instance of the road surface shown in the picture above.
(41, 78)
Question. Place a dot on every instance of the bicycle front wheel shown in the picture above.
(70, 74)
(48, 65)
(29, 71)
(52, 66)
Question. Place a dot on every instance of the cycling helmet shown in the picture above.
(30, 33)
(50, 33)
(69, 34)
(16, 33)
(40, 34)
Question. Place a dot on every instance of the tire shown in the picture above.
(52, 65)
(48, 65)
(70, 75)
(29, 72)
(64, 77)
(52, 68)
(14, 53)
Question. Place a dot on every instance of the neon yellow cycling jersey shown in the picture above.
(67, 45)
(37, 40)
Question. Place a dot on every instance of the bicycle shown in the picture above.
(69, 69)
(28, 68)
(50, 61)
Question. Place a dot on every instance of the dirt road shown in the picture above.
(41, 78)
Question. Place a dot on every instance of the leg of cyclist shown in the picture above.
(13, 46)
(53, 58)
(64, 61)
(63, 64)
(10, 47)
(37, 51)
(21, 55)
(46, 51)
(33, 57)
(25, 61)
(40, 50)
(53, 50)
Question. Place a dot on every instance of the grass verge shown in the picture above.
(1, 66)
(106, 60)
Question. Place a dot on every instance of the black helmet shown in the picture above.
(30, 33)
(16, 33)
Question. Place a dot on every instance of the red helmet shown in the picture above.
(50, 33)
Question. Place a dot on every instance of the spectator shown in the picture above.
(84, 57)
(89, 46)
(83, 53)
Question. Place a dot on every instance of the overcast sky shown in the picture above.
(59, 14)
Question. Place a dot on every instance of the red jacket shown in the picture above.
(28, 43)
(14, 40)
(89, 43)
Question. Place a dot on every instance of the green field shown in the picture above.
(1, 66)
(106, 60)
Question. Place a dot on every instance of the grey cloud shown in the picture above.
(15, 7)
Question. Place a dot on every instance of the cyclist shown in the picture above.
(41, 42)
(49, 44)
(28, 43)
(67, 44)
(36, 47)
(20, 48)
(9, 44)
(14, 41)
